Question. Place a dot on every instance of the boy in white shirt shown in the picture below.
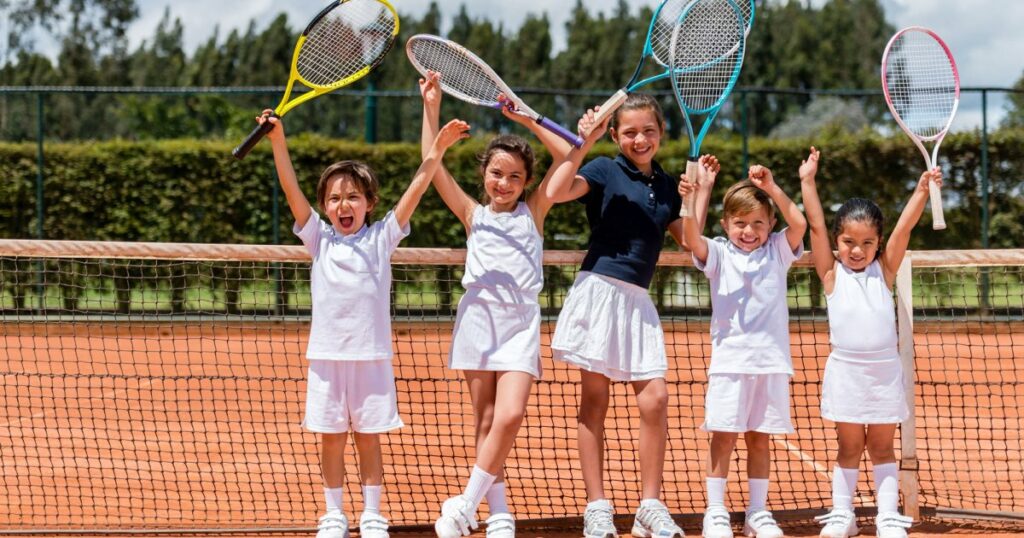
(748, 381)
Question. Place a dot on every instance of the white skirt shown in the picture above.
(864, 390)
(612, 328)
(495, 336)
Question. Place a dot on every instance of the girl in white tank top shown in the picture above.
(496, 342)
(862, 389)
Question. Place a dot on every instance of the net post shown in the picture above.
(908, 434)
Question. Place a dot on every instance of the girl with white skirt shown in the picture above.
(863, 390)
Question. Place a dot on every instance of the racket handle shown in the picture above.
(568, 135)
(938, 218)
(254, 137)
(688, 209)
(608, 108)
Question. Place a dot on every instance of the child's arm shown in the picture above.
(821, 246)
(762, 178)
(692, 227)
(707, 173)
(297, 201)
(896, 247)
(460, 203)
(565, 184)
(556, 145)
(451, 133)
(561, 178)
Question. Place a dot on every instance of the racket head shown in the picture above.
(667, 18)
(463, 74)
(707, 52)
(921, 83)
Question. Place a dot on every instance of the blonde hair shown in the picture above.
(744, 197)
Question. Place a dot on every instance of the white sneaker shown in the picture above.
(372, 525)
(655, 521)
(599, 523)
(501, 526)
(458, 518)
(717, 523)
(333, 524)
(761, 524)
(839, 523)
(892, 525)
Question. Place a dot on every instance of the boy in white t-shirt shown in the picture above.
(748, 381)
(351, 385)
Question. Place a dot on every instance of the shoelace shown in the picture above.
(659, 518)
(600, 518)
(895, 520)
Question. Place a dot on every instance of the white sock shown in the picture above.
(716, 492)
(653, 503)
(887, 487)
(479, 482)
(758, 493)
(844, 485)
(371, 499)
(600, 504)
(496, 499)
(335, 498)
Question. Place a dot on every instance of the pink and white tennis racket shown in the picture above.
(922, 88)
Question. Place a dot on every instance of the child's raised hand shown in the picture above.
(452, 132)
(686, 187)
(588, 123)
(809, 167)
(709, 168)
(430, 89)
(277, 133)
(761, 177)
(511, 111)
(925, 183)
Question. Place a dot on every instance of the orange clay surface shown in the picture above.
(150, 425)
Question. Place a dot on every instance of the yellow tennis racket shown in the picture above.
(341, 45)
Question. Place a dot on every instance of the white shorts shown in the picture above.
(747, 403)
(864, 392)
(494, 336)
(612, 328)
(351, 396)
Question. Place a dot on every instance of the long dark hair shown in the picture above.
(858, 210)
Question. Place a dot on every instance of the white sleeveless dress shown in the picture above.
(863, 382)
(497, 326)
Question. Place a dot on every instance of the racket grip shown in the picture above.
(250, 141)
(688, 209)
(608, 108)
(568, 135)
(938, 218)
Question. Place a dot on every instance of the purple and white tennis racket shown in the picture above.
(922, 88)
(465, 76)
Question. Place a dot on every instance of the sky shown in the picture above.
(984, 35)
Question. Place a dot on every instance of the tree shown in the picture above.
(1015, 106)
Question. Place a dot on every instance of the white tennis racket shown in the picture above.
(465, 76)
(922, 88)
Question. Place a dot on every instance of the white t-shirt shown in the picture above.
(749, 314)
(350, 281)
(503, 255)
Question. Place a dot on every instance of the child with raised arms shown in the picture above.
(863, 386)
(748, 380)
(351, 385)
(608, 326)
(496, 340)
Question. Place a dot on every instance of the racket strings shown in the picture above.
(460, 74)
(921, 83)
(667, 20)
(707, 54)
(353, 36)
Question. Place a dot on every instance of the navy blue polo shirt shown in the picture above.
(628, 214)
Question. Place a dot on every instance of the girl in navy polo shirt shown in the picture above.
(608, 325)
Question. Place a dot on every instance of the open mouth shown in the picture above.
(346, 222)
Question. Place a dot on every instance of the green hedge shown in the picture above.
(194, 191)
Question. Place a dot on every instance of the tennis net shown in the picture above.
(161, 387)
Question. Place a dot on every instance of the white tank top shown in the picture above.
(503, 255)
(861, 315)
